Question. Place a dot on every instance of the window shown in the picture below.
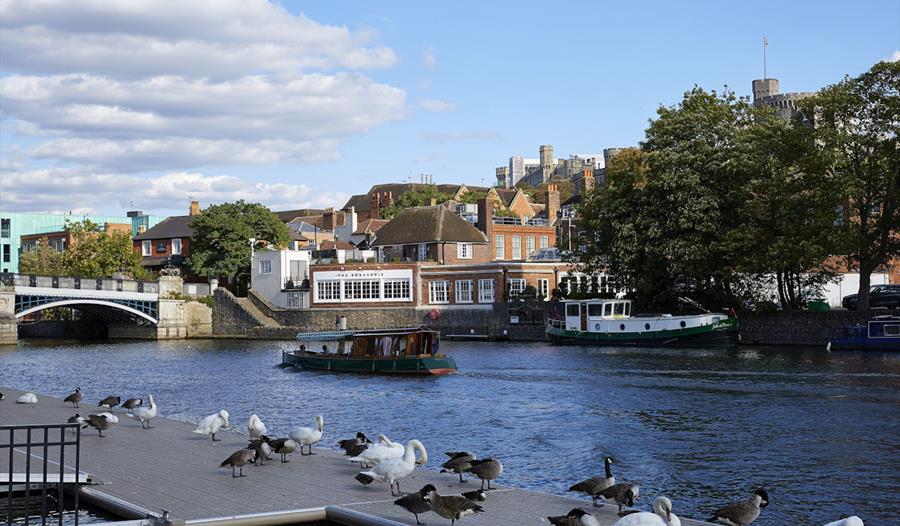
(4, 227)
(6, 253)
(499, 247)
(464, 250)
(607, 309)
(516, 247)
(544, 288)
(594, 309)
(293, 300)
(265, 267)
(464, 291)
(423, 252)
(361, 289)
(176, 246)
(485, 291)
(437, 292)
(619, 309)
(572, 309)
(545, 241)
(529, 246)
(397, 289)
(516, 286)
(328, 290)
(892, 330)
(145, 248)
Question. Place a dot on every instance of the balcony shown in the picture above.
(500, 220)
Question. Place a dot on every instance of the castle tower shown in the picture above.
(546, 160)
(764, 88)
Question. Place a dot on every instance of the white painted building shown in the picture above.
(848, 284)
(278, 274)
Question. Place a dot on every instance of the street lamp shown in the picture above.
(252, 243)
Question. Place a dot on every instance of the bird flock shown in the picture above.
(389, 462)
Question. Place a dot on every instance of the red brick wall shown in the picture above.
(523, 231)
(155, 245)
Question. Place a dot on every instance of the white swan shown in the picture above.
(213, 423)
(110, 418)
(27, 398)
(662, 516)
(848, 521)
(391, 471)
(307, 436)
(144, 414)
(255, 427)
(385, 449)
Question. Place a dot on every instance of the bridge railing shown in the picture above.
(67, 282)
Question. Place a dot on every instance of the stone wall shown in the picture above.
(228, 317)
(8, 331)
(198, 317)
(797, 328)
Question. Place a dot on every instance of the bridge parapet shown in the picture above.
(67, 282)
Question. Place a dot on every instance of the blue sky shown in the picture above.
(449, 89)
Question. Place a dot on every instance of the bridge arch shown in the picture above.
(81, 302)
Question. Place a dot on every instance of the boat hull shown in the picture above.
(415, 366)
(720, 334)
(863, 344)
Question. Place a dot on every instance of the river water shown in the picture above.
(820, 431)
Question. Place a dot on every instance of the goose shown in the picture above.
(110, 418)
(27, 398)
(74, 397)
(662, 515)
(847, 521)
(98, 422)
(2, 396)
(453, 507)
(283, 446)
(743, 512)
(487, 470)
(211, 424)
(477, 496)
(255, 427)
(238, 460)
(623, 494)
(594, 485)
(350, 444)
(77, 419)
(459, 461)
(131, 403)
(261, 448)
(306, 436)
(385, 449)
(392, 470)
(109, 402)
(576, 517)
(145, 414)
(415, 503)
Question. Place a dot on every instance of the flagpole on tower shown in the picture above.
(765, 45)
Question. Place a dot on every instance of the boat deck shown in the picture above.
(169, 467)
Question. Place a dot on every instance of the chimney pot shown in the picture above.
(194, 209)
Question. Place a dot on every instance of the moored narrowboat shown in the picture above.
(406, 351)
(881, 333)
(610, 322)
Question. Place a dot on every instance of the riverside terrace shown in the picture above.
(169, 467)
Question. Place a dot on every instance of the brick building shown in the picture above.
(431, 233)
(62, 240)
(168, 243)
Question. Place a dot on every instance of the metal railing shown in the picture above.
(502, 220)
(29, 494)
(67, 282)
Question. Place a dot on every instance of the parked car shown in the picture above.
(887, 296)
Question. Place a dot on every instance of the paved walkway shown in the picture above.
(170, 467)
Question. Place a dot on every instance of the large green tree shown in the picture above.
(857, 123)
(42, 260)
(220, 242)
(95, 252)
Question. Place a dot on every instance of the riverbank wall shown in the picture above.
(800, 328)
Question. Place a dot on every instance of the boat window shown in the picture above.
(572, 309)
(595, 309)
(646, 326)
(607, 309)
(892, 330)
(683, 324)
(628, 309)
(620, 308)
(622, 326)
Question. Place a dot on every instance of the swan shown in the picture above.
(145, 414)
(847, 521)
(743, 512)
(111, 418)
(392, 470)
(28, 398)
(385, 449)
(255, 427)
(211, 424)
(662, 516)
(74, 397)
(306, 436)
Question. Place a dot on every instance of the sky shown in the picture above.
(108, 106)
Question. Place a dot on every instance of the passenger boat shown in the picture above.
(410, 351)
(610, 322)
(881, 333)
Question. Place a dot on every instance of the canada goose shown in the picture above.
(131, 403)
(306, 436)
(98, 422)
(77, 419)
(27, 398)
(743, 512)
(487, 470)
(2, 396)
(211, 424)
(392, 470)
(109, 402)
(459, 461)
(662, 516)
(594, 485)
(283, 446)
(478, 495)
(623, 494)
(414, 503)
(255, 427)
(847, 521)
(261, 448)
(238, 460)
(350, 444)
(453, 507)
(145, 414)
(74, 397)
(111, 419)
(385, 449)
(576, 517)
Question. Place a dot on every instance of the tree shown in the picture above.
(101, 254)
(419, 196)
(42, 260)
(857, 122)
(220, 241)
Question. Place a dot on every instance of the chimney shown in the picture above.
(351, 216)
(375, 207)
(142, 228)
(485, 221)
(329, 220)
(390, 198)
(587, 181)
(194, 210)
(551, 202)
(433, 201)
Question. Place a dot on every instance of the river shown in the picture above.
(820, 431)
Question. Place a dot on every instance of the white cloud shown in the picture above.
(429, 58)
(63, 189)
(436, 105)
